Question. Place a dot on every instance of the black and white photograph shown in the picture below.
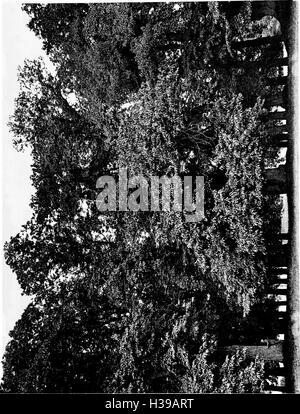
(150, 200)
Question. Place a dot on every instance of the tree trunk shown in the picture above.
(276, 271)
(277, 291)
(276, 372)
(275, 100)
(277, 237)
(278, 130)
(276, 247)
(278, 388)
(281, 302)
(280, 80)
(267, 353)
(278, 62)
(276, 180)
(277, 259)
(272, 40)
(273, 280)
(281, 314)
(279, 141)
(277, 115)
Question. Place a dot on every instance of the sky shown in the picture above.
(17, 44)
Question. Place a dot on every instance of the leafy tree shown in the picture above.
(106, 51)
(67, 148)
(200, 374)
(121, 301)
(207, 131)
(67, 342)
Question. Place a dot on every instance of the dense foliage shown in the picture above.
(138, 301)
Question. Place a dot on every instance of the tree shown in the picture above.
(65, 343)
(67, 148)
(207, 131)
(122, 300)
(130, 41)
(202, 373)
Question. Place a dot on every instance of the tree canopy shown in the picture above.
(138, 301)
